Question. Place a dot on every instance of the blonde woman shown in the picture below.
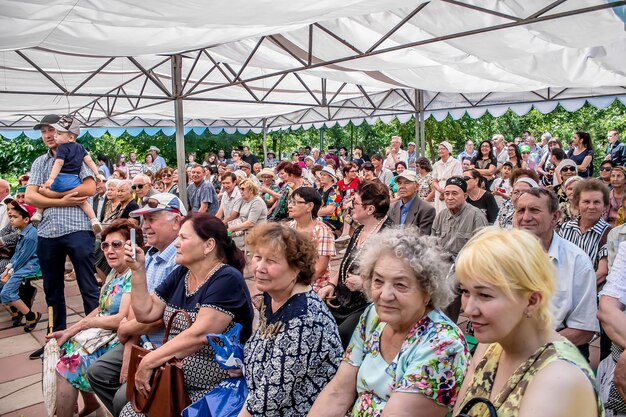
(522, 365)
(251, 210)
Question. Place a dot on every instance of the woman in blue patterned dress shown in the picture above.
(82, 343)
(296, 349)
(406, 358)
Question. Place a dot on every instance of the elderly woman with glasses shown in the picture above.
(406, 357)
(304, 206)
(166, 175)
(91, 337)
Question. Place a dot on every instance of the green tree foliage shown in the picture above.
(17, 155)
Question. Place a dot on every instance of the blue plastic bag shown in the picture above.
(229, 356)
(225, 400)
(229, 396)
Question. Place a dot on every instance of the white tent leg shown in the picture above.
(177, 87)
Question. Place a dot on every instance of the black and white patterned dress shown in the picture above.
(291, 357)
(225, 291)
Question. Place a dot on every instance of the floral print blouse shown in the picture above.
(432, 362)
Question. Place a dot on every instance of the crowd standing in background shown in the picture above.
(518, 236)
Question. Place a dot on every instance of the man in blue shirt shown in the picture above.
(156, 158)
(411, 210)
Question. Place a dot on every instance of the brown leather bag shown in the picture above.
(167, 395)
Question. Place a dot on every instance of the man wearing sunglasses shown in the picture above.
(161, 215)
(142, 187)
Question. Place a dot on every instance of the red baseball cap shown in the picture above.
(24, 208)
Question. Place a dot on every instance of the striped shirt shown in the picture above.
(589, 241)
(58, 221)
(134, 169)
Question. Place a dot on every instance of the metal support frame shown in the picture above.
(177, 86)
(304, 58)
(420, 136)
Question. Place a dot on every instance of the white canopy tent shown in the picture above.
(275, 64)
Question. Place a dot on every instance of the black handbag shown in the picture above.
(478, 400)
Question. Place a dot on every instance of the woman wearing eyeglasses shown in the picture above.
(304, 205)
(79, 345)
(166, 175)
(564, 171)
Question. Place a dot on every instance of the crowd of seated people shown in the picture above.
(517, 237)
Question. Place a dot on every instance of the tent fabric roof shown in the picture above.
(301, 63)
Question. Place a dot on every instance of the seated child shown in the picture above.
(69, 159)
(24, 263)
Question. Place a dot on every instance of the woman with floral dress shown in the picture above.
(94, 335)
(405, 354)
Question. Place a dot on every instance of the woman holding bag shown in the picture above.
(94, 335)
(209, 287)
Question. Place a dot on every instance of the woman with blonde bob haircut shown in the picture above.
(522, 365)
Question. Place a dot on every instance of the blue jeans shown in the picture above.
(65, 182)
(79, 246)
(10, 291)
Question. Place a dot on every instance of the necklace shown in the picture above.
(211, 273)
(474, 197)
(345, 267)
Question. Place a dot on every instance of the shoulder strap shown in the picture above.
(171, 321)
(605, 236)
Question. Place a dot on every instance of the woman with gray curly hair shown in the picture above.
(405, 354)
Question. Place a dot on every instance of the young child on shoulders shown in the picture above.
(69, 159)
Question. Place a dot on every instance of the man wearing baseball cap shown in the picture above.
(65, 230)
(455, 225)
(24, 263)
(411, 210)
(161, 215)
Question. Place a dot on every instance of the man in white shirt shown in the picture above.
(500, 151)
(231, 198)
(4, 193)
(383, 174)
(573, 303)
(396, 154)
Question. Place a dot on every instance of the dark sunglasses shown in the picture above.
(166, 175)
(138, 186)
(468, 178)
(606, 169)
(154, 203)
(570, 169)
(117, 244)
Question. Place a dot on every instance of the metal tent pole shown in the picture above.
(422, 123)
(264, 141)
(418, 141)
(177, 90)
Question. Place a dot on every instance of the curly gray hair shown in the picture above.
(428, 261)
